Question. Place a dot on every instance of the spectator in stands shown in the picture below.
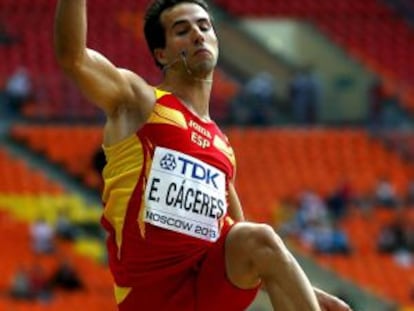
(255, 104)
(311, 213)
(337, 202)
(239, 111)
(376, 101)
(6, 38)
(384, 108)
(312, 209)
(18, 90)
(64, 228)
(385, 194)
(20, 287)
(305, 95)
(66, 277)
(397, 238)
(259, 94)
(330, 239)
(340, 241)
(315, 229)
(43, 237)
(390, 238)
(403, 258)
(39, 283)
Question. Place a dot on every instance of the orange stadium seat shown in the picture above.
(69, 146)
(19, 178)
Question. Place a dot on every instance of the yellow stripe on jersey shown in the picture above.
(124, 163)
(121, 293)
(166, 115)
(160, 93)
(221, 145)
(142, 210)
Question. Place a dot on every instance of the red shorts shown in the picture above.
(203, 286)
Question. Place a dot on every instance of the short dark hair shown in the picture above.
(154, 30)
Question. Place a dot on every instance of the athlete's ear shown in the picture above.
(160, 56)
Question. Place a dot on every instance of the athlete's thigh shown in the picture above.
(214, 289)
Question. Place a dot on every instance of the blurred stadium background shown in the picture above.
(316, 96)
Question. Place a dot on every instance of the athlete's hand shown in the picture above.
(327, 302)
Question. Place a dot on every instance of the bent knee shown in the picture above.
(264, 236)
(250, 250)
(265, 240)
(259, 243)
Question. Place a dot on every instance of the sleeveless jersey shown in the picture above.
(165, 195)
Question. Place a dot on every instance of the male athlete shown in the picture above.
(177, 237)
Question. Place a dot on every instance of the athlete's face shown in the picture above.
(189, 34)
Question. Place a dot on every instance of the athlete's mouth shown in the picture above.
(202, 51)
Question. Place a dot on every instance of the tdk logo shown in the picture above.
(198, 172)
(168, 162)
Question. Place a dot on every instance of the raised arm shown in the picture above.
(101, 82)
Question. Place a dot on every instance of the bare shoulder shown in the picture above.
(131, 109)
(141, 94)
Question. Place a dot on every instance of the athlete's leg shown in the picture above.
(254, 253)
(214, 289)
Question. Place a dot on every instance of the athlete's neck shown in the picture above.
(194, 94)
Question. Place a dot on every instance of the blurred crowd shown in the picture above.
(49, 270)
(317, 222)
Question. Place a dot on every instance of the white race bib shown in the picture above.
(185, 195)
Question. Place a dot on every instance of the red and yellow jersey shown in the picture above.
(165, 193)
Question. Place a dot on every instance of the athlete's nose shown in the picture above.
(198, 36)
